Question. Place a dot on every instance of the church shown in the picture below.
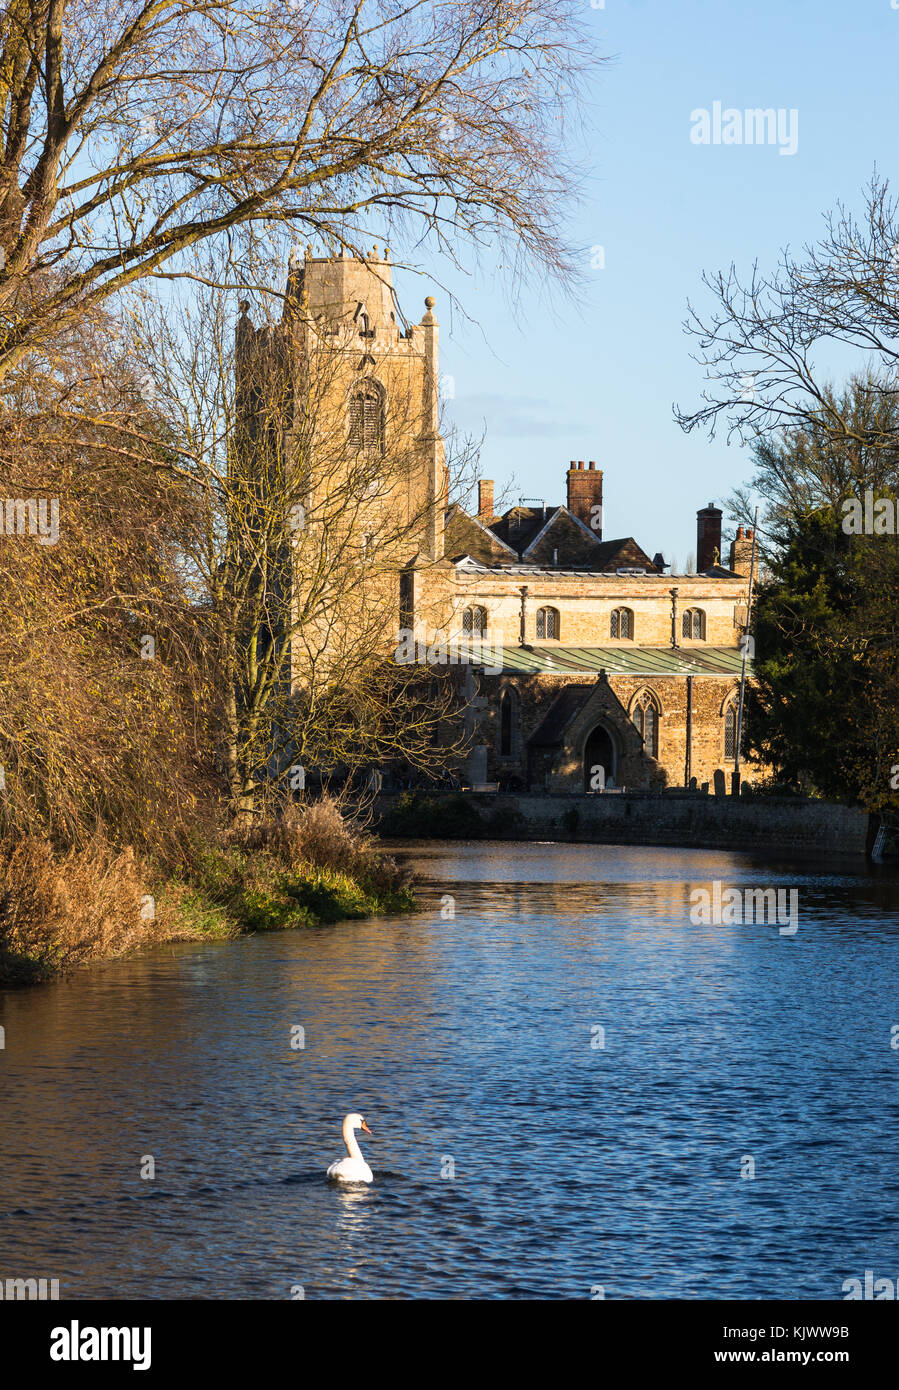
(604, 672)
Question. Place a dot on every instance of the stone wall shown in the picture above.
(536, 695)
(584, 604)
(745, 823)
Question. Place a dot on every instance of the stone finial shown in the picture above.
(244, 307)
(430, 302)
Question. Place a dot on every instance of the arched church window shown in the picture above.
(474, 620)
(645, 715)
(730, 732)
(366, 418)
(548, 624)
(622, 623)
(507, 706)
(693, 624)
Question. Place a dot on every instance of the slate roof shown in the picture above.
(535, 533)
(465, 535)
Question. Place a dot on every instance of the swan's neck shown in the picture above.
(349, 1138)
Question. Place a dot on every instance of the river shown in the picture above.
(574, 1092)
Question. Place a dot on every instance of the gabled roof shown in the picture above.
(719, 572)
(557, 515)
(568, 703)
(550, 538)
(466, 535)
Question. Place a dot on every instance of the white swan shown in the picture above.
(353, 1168)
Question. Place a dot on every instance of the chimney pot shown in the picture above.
(741, 550)
(585, 496)
(592, 463)
(485, 500)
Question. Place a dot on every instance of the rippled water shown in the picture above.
(469, 1039)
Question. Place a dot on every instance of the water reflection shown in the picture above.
(470, 1039)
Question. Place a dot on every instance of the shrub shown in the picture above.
(430, 817)
(58, 912)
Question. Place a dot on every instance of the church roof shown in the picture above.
(540, 540)
(466, 535)
(624, 661)
(719, 572)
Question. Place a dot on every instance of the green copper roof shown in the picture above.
(625, 661)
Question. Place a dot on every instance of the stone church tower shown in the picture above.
(377, 384)
(350, 420)
(605, 671)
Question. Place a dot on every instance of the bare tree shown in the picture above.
(103, 698)
(135, 129)
(770, 345)
(295, 559)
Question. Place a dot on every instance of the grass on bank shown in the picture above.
(305, 867)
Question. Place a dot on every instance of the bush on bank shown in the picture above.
(298, 869)
(416, 815)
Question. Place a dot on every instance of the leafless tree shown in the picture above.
(296, 555)
(133, 130)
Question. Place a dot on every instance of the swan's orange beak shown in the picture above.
(366, 1128)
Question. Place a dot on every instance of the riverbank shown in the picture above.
(59, 911)
(797, 824)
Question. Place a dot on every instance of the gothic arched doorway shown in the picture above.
(599, 760)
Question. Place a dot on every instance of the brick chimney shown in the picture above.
(485, 501)
(585, 495)
(708, 537)
(741, 551)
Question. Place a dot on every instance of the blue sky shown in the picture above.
(596, 378)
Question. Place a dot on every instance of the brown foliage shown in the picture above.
(91, 734)
(319, 835)
(60, 912)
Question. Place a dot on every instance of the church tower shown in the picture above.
(371, 384)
